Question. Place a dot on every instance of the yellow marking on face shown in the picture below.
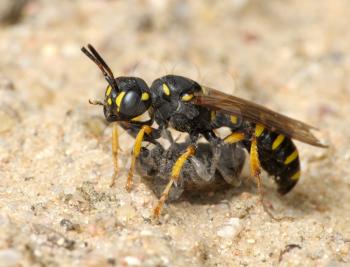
(295, 176)
(109, 90)
(259, 130)
(119, 99)
(145, 96)
(109, 101)
(291, 157)
(212, 115)
(234, 119)
(187, 97)
(234, 138)
(166, 89)
(277, 141)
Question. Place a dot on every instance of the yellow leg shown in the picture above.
(255, 170)
(115, 148)
(137, 148)
(234, 138)
(175, 173)
(255, 167)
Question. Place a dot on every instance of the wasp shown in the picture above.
(182, 104)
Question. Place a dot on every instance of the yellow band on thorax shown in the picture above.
(259, 130)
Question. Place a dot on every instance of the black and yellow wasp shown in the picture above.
(186, 106)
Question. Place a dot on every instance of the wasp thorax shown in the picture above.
(129, 100)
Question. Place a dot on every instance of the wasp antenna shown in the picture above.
(96, 61)
(95, 102)
(101, 64)
(101, 60)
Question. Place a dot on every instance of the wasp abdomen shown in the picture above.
(279, 157)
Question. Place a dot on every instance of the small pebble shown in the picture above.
(230, 228)
(132, 261)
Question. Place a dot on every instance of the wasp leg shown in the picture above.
(175, 173)
(234, 138)
(136, 152)
(255, 169)
(115, 148)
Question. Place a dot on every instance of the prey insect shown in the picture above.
(186, 106)
(205, 171)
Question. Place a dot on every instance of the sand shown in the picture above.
(57, 208)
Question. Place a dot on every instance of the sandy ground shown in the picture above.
(55, 158)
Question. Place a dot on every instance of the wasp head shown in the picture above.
(125, 98)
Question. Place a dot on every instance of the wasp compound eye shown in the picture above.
(130, 104)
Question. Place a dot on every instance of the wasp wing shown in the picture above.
(219, 101)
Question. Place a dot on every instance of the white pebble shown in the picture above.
(251, 241)
(132, 261)
(230, 228)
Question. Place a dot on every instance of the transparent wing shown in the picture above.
(219, 101)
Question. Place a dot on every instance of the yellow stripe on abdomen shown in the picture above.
(291, 157)
(278, 141)
(295, 176)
